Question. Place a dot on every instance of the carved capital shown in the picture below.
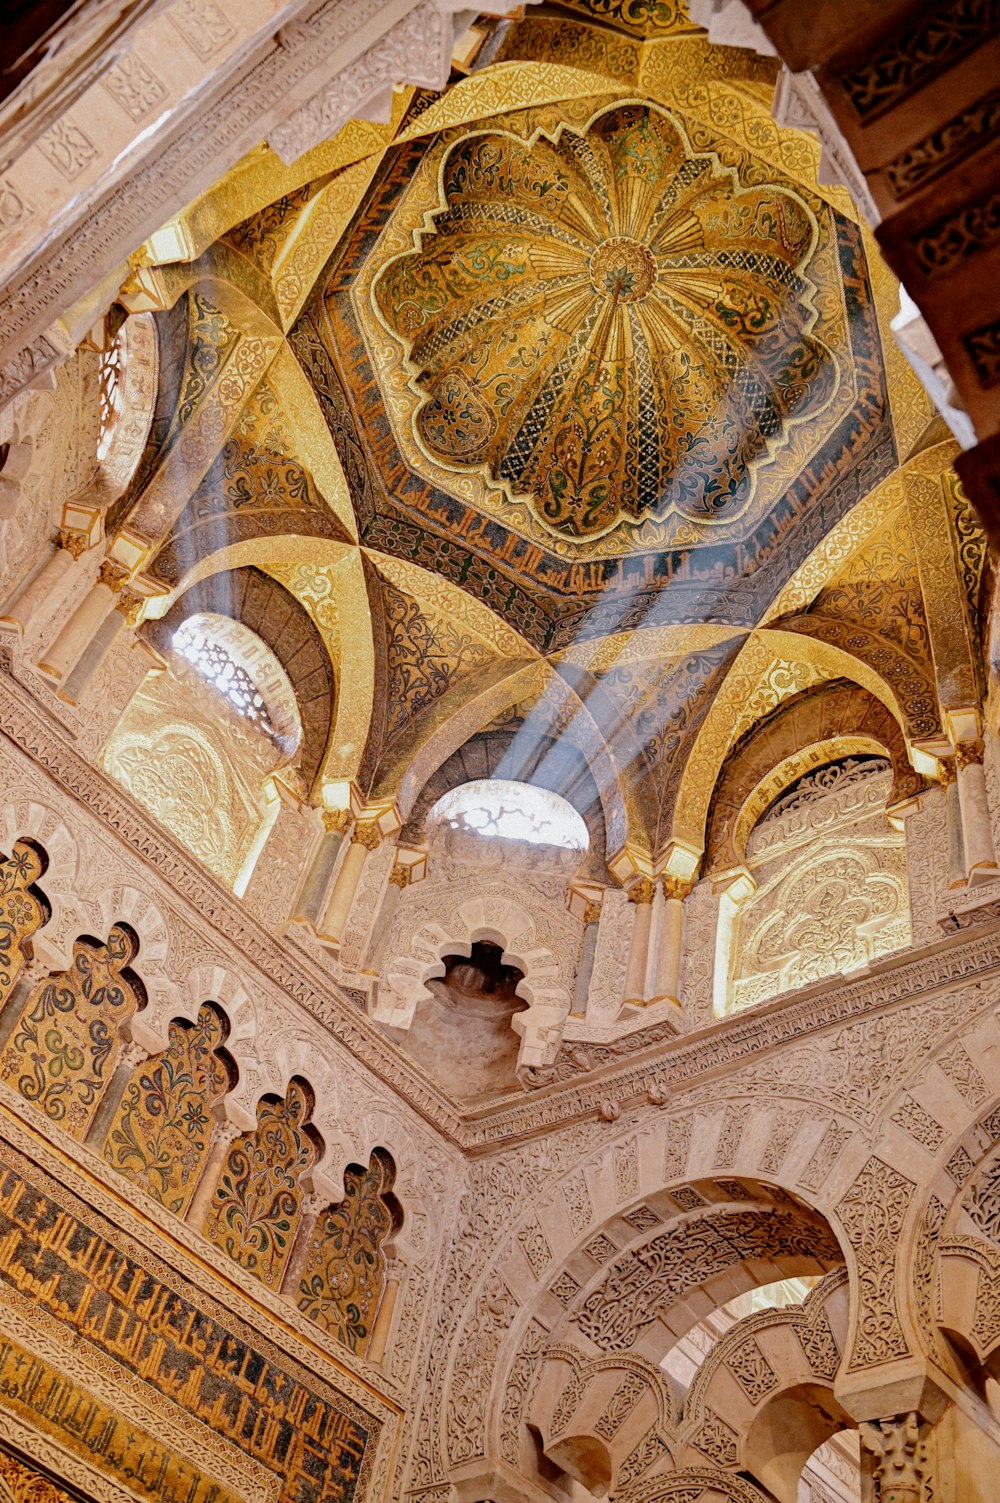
(676, 889)
(224, 1133)
(134, 1055)
(968, 754)
(129, 604)
(900, 1457)
(400, 876)
(591, 913)
(368, 835)
(112, 574)
(73, 540)
(642, 890)
(337, 821)
(947, 771)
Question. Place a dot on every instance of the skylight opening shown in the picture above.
(499, 808)
(206, 654)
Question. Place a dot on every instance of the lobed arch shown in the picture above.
(257, 602)
(620, 1422)
(554, 1270)
(29, 819)
(500, 922)
(864, 1178)
(604, 1422)
(773, 1374)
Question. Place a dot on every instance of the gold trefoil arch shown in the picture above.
(608, 324)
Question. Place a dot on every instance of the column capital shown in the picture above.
(129, 604)
(134, 1054)
(400, 876)
(642, 890)
(947, 771)
(900, 1456)
(591, 913)
(969, 753)
(337, 821)
(113, 574)
(73, 540)
(224, 1133)
(368, 834)
(676, 889)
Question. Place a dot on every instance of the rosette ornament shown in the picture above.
(608, 323)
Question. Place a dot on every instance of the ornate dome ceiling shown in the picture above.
(598, 362)
(610, 326)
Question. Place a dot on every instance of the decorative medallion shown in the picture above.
(607, 324)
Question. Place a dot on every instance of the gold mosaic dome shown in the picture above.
(608, 323)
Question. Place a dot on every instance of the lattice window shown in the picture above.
(498, 807)
(214, 663)
(112, 374)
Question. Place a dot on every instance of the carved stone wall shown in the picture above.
(831, 892)
(195, 764)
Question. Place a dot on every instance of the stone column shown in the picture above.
(585, 970)
(900, 1465)
(977, 834)
(125, 614)
(110, 1101)
(70, 545)
(953, 817)
(224, 1134)
(381, 1325)
(312, 1205)
(312, 898)
(399, 878)
(366, 838)
(641, 894)
(79, 631)
(668, 955)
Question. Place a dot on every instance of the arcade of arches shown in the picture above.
(500, 803)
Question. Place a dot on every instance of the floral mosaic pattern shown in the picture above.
(344, 1272)
(255, 1210)
(22, 912)
(609, 323)
(161, 1133)
(66, 1044)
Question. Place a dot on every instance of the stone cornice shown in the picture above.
(662, 1068)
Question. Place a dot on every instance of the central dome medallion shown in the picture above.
(607, 324)
(623, 269)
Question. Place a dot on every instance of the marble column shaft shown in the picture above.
(366, 838)
(588, 954)
(38, 591)
(62, 655)
(640, 894)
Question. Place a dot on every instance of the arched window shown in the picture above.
(498, 807)
(243, 668)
